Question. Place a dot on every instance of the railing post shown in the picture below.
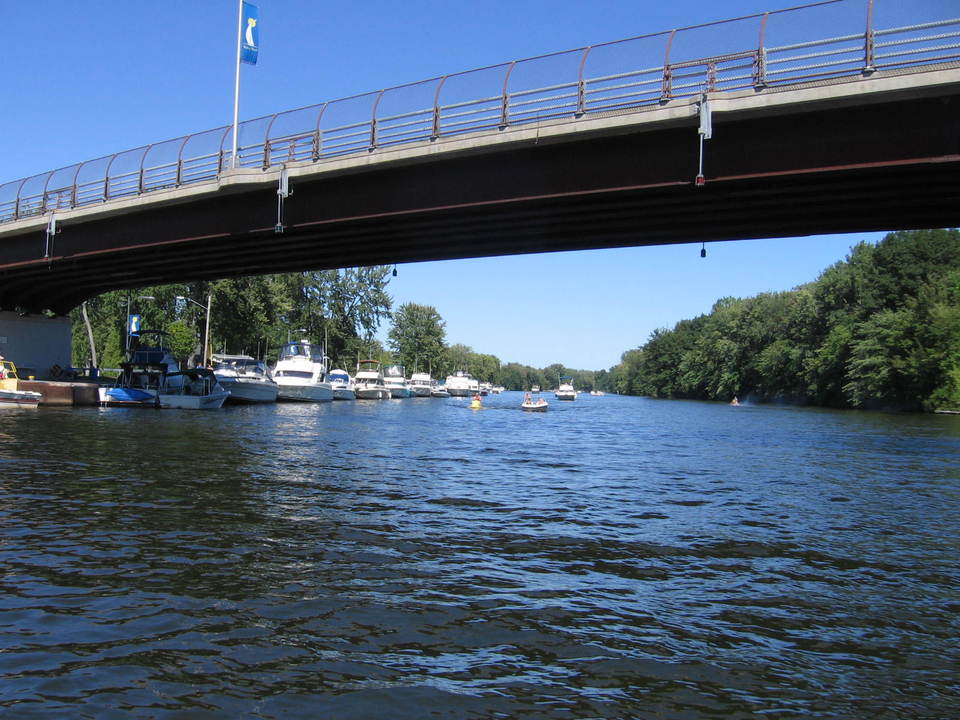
(582, 84)
(435, 126)
(868, 41)
(666, 90)
(318, 135)
(760, 59)
(373, 121)
(505, 98)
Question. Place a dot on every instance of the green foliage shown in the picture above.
(417, 337)
(880, 329)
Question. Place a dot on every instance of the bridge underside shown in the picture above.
(873, 168)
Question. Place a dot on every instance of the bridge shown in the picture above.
(707, 133)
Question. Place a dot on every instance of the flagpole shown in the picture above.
(236, 92)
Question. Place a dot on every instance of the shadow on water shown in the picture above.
(613, 557)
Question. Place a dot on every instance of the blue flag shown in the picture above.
(249, 34)
(133, 325)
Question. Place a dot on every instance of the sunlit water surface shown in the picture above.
(611, 558)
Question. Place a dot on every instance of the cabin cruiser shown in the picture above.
(439, 391)
(462, 384)
(395, 381)
(144, 374)
(421, 384)
(565, 390)
(301, 373)
(247, 379)
(368, 381)
(342, 384)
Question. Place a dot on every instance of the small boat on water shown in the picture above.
(439, 390)
(421, 384)
(301, 373)
(462, 384)
(565, 390)
(533, 402)
(10, 395)
(342, 384)
(246, 379)
(393, 378)
(368, 381)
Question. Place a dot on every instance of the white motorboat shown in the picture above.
(195, 389)
(301, 373)
(368, 381)
(439, 391)
(393, 378)
(245, 378)
(342, 384)
(421, 384)
(565, 389)
(462, 384)
(533, 402)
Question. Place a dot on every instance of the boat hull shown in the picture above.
(250, 392)
(210, 401)
(397, 392)
(344, 394)
(318, 392)
(19, 398)
(372, 393)
(127, 397)
(534, 407)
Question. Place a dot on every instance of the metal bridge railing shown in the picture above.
(645, 71)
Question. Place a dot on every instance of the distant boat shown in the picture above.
(421, 384)
(301, 373)
(462, 384)
(439, 391)
(395, 381)
(565, 390)
(368, 381)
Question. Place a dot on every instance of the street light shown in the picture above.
(206, 330)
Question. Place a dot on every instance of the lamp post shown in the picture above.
(139, 297)
(206, 330)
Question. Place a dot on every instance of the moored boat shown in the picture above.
(301, 373)
(462, 384)
(368, 381)
(439, 390)
(421, 384)
(246, 379)
(342, 384)
(195, 389)
(395, 381)
(10, 394)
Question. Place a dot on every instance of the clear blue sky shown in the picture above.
(87, 79)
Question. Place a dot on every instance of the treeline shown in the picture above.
(880, 329)
(340, 309)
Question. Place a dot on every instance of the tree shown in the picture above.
(417, 337)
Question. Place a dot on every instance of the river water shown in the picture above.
(612, 558)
